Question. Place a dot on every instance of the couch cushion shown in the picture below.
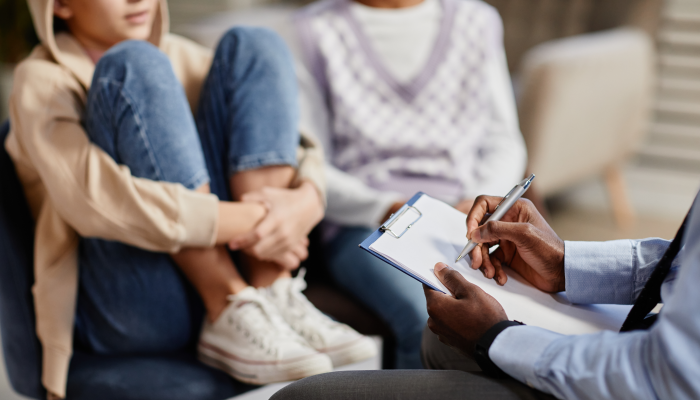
(20, 345)
(158, 377)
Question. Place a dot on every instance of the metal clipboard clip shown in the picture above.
(386, 226)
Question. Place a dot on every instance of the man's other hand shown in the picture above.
(461, 319)
(526, 243)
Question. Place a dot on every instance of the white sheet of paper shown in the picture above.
(440, 235)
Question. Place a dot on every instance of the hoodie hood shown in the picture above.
(66, 51)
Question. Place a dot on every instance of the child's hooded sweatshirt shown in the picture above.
(75, 189)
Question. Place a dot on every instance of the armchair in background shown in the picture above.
(584, 73)
(583, 109)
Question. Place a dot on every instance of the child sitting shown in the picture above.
(131, 149)
(406, 96)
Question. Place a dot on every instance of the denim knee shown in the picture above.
(142, 58)
(252, 77)
(138, 113)
(415, 317)
(261, 48)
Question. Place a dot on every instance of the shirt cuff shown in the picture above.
(199, 218)
(517, 349)
(599, 272)
(54, 376)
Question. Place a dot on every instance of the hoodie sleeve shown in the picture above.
(94, 195)
(503, 153)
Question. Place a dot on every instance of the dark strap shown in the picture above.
(481, 349)
(651, 294)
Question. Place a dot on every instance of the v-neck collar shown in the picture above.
(408, 91)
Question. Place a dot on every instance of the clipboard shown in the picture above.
(386, 227)
(417, 239)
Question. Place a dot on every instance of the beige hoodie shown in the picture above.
(74, 188)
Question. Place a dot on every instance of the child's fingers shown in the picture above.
(301, 251)
(253, 196)
(277, 244)
(269, 247)
(288, 261)
(246, 240)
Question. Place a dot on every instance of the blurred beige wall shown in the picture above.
(674, 136)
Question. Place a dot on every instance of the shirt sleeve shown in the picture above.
(662, 362)
(611, 272)
(89, 190)
(352, 203)
(503, 151)
(311, 163)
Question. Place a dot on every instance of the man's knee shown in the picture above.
(311, 388)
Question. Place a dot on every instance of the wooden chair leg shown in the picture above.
(619, 200)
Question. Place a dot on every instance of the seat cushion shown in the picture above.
(20, 345)
(171, 377)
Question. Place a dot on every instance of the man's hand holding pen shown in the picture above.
(526, 243)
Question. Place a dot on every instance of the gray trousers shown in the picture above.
(450, 375)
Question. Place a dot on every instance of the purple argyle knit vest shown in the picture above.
(430, 127)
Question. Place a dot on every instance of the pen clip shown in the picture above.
(504, 198)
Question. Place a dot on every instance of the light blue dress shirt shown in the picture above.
(660, 363)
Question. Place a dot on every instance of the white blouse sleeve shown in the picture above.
(505, 156)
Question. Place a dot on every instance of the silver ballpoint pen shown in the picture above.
(501, 209)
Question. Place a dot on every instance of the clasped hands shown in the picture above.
(282, 235)
(527, 244)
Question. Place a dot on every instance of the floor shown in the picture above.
(660, 199)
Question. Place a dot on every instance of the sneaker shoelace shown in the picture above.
(307, 319)
(260, 323)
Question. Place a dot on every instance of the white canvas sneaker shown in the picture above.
(251, 342)
(342, 343)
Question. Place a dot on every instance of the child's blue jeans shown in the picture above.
(396, 297)
(133, 301)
